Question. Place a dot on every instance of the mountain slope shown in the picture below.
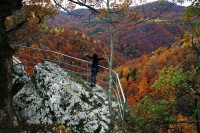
(68, 42)
(138, 75)
(142, 39)
(147, 37)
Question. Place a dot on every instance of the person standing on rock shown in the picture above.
(94, 69)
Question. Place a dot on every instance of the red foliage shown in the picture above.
(146, 71)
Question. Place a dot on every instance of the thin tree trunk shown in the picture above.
(111, 77)
(111, 63)
(110, 60)
(110, 66)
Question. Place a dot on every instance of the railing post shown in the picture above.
(123, 118)
(59, 59)
(121, 106)
(87, 73)
(116, 81)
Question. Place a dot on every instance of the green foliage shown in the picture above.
(157, 111)
(196, 112)
(170, 77)
(192, 11)
(190, 15)
(133, 73)
(151, 116)
(108, 130)
(129, 119)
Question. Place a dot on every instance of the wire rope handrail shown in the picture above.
(119, 92)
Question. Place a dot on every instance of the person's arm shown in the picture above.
(89, 56)
(101, 58)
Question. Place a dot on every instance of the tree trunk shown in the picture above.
(5, 88)
(110, 66)
(7, 7)
(111, 76)
(6, 53)
(109, 21)
(197, 116)
(111, 63)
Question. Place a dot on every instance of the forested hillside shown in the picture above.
(155, 61)
(138, 75)
(159, 68)
(162, 87)
(154, 48)
(69, 42)
(142, 39)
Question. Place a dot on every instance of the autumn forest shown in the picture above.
(154, 48)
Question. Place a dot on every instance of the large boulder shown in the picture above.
(19, 78)
(54, 97)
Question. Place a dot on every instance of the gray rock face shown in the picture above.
(19, 78)
(53, 97)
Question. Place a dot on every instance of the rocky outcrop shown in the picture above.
(54, 97)
(19, 78)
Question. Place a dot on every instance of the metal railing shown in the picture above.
(32, 56)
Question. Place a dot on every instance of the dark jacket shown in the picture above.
(95, 60)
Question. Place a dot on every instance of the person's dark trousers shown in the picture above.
(93, 76)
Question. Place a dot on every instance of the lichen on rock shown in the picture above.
(53, 97)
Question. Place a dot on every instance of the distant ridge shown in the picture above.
(143, 39)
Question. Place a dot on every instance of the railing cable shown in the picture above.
(117, 87)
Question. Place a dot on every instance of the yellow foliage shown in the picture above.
(75, 32)
(9, 22)
(120, 68)
(147, 66)
(83, 36)
(186, 38)
(125, 72)
(180, 117)
(183, 127)
(88, 38)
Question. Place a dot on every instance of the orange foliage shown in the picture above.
(182, 127)
(147, 67)
(132, 90)
(130, 80)
(143, 86)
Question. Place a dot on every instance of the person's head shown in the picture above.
(94, 55)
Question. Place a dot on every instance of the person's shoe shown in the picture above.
(92, 85)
